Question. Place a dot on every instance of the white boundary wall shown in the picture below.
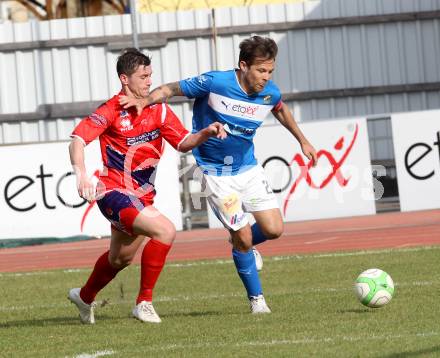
(416, 138)
(38, 193)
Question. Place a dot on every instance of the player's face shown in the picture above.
(140, 81)
(255, 76)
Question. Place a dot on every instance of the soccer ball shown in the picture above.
(374, 288)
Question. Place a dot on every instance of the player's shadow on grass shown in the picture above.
(356, 310)
(44, 322)
(417, 353)
(195, 314)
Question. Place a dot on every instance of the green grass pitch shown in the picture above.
(205, 312)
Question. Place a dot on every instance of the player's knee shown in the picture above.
(242, 241)
(242, 246)
(274, 231)
(166, 234)
(119, 262)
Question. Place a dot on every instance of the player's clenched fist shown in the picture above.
(216, 130)
(194, 139)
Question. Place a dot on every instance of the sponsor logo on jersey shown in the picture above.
(98, 119)
(267, 99)
(126, 124)
(144, 137)
(237, 130)
(202, 79)
(238, 108)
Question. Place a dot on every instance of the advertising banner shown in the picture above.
(416, 138)
(340, 185)
(40, 199)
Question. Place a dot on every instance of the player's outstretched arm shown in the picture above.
(193, 140)
(285, 117)
(159, 95)
(83, 183)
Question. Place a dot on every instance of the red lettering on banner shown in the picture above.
(335, 173)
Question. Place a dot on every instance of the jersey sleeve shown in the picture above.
(277, 101)
(172, 129)
(94, 125)
(196, 87)
(278, 106)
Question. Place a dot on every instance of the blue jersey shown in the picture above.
(220, 98)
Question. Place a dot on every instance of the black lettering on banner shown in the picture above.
(409, 165)
(8, 198)
(42, 176)
(284, 162)
(438, 144)
(62, 201)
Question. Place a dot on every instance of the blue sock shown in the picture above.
(257, 235)
(247, 270)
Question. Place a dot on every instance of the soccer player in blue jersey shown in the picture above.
(240, 99)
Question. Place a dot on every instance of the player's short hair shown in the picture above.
(129, 61)
(257, 47)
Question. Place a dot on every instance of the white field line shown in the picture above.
(229, 261)
(352, 253)
(96, 354)
(213, 297)
(322, 240)
(368, 228)
(25, 274)
(409, 244)
(322, 232)
(299, 341)
(308, 256)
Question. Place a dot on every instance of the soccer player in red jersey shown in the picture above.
(131, 146)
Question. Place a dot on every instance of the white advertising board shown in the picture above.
(39, 196)
(340, 185)
(416, 138)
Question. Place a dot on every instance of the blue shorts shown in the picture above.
(121, 210)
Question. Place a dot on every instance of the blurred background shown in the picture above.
(23, 10)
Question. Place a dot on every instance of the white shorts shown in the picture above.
(231, 197)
